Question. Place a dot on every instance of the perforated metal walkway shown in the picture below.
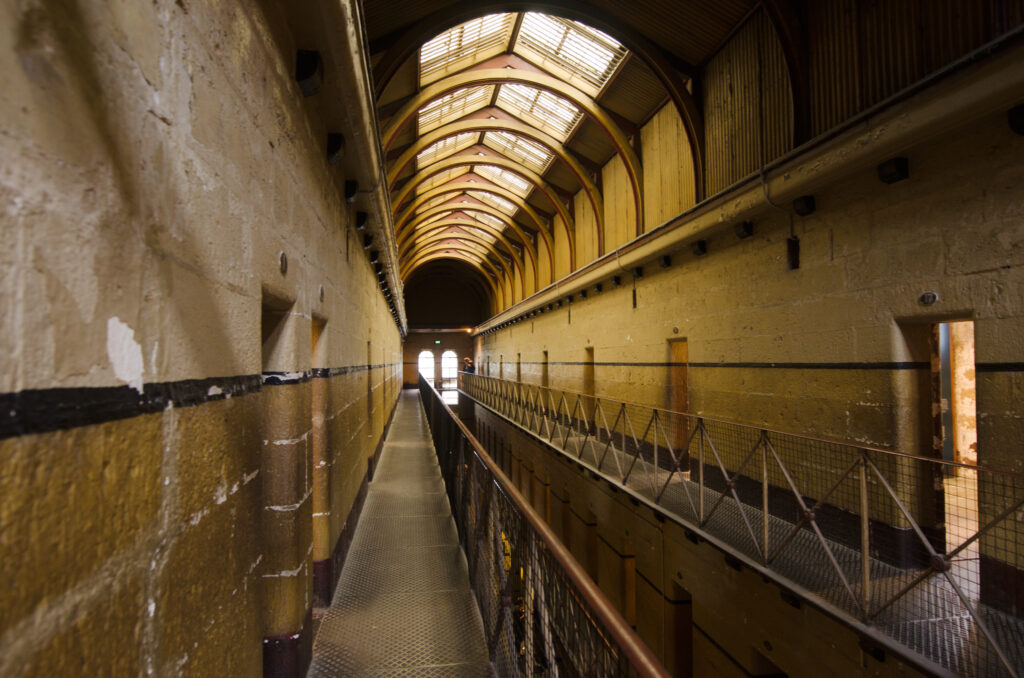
(403, 606)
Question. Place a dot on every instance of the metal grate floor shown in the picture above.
(403, 606)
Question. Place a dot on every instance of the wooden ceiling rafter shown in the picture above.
(512, 127)
(486, 209)
(441, 235)
(498, 160)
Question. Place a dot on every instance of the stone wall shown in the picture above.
(161, 394)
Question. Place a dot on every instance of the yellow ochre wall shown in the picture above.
(156, 502)
(825, 349)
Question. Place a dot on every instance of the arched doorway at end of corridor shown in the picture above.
(426, 365)
(449, 370)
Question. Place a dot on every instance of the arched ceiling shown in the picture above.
(497, 118)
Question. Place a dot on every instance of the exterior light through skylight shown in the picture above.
(445, 147)
(464, 45)
(531, 154)
(452, 107)
(503, 177)
(495, 201)
(585, 56)
(541, 108)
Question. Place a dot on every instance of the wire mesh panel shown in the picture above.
(927, 551)
(542, 615)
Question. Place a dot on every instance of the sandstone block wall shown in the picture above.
(157, 477)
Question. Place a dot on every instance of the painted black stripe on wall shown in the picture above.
(284, 378)
(324, 372)
(56, 409)
(999, 367)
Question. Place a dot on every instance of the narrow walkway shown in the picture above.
(403, 606)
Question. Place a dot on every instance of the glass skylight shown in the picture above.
(440, 178)
(489, 219)
(504, 177)
(464, 45)
(484, 235)
(495, 201)
(445, 147)
(585, 56)
(540, 108)
(434, 202)
(531, 154)
(452, 107)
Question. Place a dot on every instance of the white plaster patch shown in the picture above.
(214, 391)
(125, 353)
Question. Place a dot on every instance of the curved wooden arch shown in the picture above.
(485, 248)
(499, 76)
(459, 269)
(497, 293)
(439, 247)
(434, 233)
(453, 249)
(407, 240)
(441, 20)
(474, 207)
(408, 236)
(462, 187)
(503, 162)
(496, 296)
(512, 127)
(791, 32)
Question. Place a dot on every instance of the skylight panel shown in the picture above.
(432, 219)
(465, 45)
(440, 178)
(541, 108)
(495, 201)
(489, 219)
(484, 235)
(434, 202)
(531, 154)
(503, 177)
(586, 57)
(453, 106)
(445, 147)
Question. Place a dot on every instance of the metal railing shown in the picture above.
(920, 551)
(542, 614)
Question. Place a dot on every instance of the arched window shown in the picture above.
(449, 369)
(426, 362)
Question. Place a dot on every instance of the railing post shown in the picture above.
(700, 469)
(764, 496)
(865, 536)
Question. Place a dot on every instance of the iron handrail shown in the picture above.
(880, 559)
(633, 648)
(754, 427)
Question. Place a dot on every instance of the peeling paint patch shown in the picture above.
(125, 353)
